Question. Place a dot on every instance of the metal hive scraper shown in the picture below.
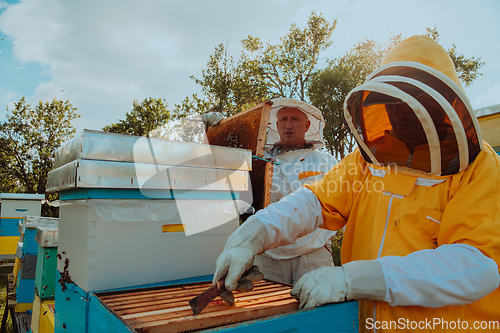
(199, 302)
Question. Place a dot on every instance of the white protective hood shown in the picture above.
(315, 132)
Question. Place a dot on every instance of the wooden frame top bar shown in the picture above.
(246, 129)
(166, 309)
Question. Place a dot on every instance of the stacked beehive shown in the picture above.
(26, 260)
(138, 211)
(42, 320)
(14, 207)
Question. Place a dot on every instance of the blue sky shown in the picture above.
(102, 55)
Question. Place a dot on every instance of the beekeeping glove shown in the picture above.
(362, 279)
(245, 283)
(211, 119)
(249, 240)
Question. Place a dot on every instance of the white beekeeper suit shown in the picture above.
(297, 167)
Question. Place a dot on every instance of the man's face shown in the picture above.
(292, 126)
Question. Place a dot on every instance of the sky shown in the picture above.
(101, 55)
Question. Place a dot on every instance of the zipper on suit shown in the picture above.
(392, 195)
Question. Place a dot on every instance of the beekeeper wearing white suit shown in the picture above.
(294, 135)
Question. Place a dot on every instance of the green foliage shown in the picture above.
(336, 247)
(191, 106)
(264, 71)
(145, 117)
(285, 69)
(28, 140)
(4, 282)
(330, 86)
(227, 86)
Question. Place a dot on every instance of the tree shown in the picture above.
(228, 87)
(467, 68)
(286, 68)
(263, 71)
(8, 184)
(145, 117)
(330, 86)
(28, 140)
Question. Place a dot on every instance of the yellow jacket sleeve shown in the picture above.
(338, 189)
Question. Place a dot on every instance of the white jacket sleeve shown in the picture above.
(293, 216)
(453, 274)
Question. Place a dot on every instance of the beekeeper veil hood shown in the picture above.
(413, 112)
(315, 132)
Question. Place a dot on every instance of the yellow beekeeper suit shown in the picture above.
(398, 211)
(419, 200)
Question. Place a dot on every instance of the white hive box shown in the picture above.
(14, 207)
(137, 211)
(20, 204)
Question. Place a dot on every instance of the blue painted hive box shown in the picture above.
(164, 307)
(26, 260)
(46, 265)
(14, 207)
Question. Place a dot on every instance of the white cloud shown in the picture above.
(488, 98)
(7, 99)
(110, 53)
(101, 55)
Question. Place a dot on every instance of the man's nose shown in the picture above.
(289, 124)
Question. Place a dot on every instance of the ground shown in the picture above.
(4, 271)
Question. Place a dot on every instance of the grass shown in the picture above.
(336, 246)
(3, 293)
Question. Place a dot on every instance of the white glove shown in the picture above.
(363, 279)
(242, 246)
(323, 285)
(211, 118)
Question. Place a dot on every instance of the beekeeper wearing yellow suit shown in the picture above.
(294, 135)
(419, 200)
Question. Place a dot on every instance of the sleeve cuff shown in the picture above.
(365, 280)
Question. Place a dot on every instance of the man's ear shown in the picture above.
(308, 123)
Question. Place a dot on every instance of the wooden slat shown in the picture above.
(162, 302)
(221, 318)
(117, 299)
(181, 305)
(261, 178)
(166, 309)
(246, 129)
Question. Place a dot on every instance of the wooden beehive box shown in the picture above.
(166, 309)
(248, 130)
